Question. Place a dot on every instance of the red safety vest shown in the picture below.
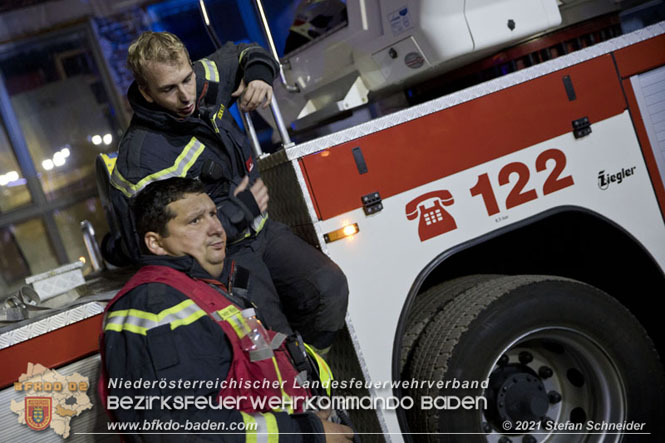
(277, 369)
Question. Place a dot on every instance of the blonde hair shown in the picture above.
(162, 47)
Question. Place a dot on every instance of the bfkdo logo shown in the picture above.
(38, 412)
(45, 399)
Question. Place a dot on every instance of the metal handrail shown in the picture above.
(279, 122)
(96, 260)
(251, 133)
(274, 107)
(273, 49)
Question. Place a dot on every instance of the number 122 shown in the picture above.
(518, 195)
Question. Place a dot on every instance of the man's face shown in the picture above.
(171, 85)
(195, 230)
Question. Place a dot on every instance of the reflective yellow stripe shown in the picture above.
(188, 320)
(248, 233)
(210, 68)
(206, 70)
(234, 318)
(260, 428)
(244, 51)
(325, 373)
(286, 399)
(214, 125)
(250, 427)
(228, 312)
(190, 153)
(236, 327)
(262, 221)
(149, 315)
(139, 322)
(126, 327)
(175, 309)
(272, 429)
(216, 117)
(239, 325)
(122, 184)
(109, 161)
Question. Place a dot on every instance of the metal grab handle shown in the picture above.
(274, 107)
(266, 30)
(96, 260)
(251, 133)
(279, 122)
(273, 49)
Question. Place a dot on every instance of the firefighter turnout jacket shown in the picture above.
(173, 333)
(207, 144)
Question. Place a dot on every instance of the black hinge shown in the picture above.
(372, 203)
(581, 127)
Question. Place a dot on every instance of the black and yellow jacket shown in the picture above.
(154, 333)
(207, 145)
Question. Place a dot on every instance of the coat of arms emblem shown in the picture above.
(38, 412)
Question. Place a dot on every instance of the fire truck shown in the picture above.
(509, 232)
(502, 232)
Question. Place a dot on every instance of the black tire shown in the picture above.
(427, 304)
(425, 308)
(603, 364)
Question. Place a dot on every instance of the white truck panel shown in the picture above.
(441, 31)
(650, 94)
(445, 27)
(612, 147)
(474, 92)
(489, 20)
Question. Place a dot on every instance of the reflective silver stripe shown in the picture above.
(182, 164)
(210, 69)
(259, 221)
(301, 378)
(261, 428)
(257, 224)
(147, 321)
(277, 340)
(260, 354)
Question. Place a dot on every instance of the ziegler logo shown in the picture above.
(604, 180)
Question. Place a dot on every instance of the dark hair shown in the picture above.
(150, 205)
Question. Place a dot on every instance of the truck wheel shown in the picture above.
(528, 354)
(427, 304)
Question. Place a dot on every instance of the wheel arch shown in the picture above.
(597, 251)
(567, 241)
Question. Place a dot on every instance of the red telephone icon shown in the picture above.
(434, 220)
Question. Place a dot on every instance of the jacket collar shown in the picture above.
(188, 265)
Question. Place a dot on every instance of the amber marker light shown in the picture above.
(343, 232)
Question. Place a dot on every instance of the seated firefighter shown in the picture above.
(182, 327)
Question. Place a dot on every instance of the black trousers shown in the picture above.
(298, 286)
